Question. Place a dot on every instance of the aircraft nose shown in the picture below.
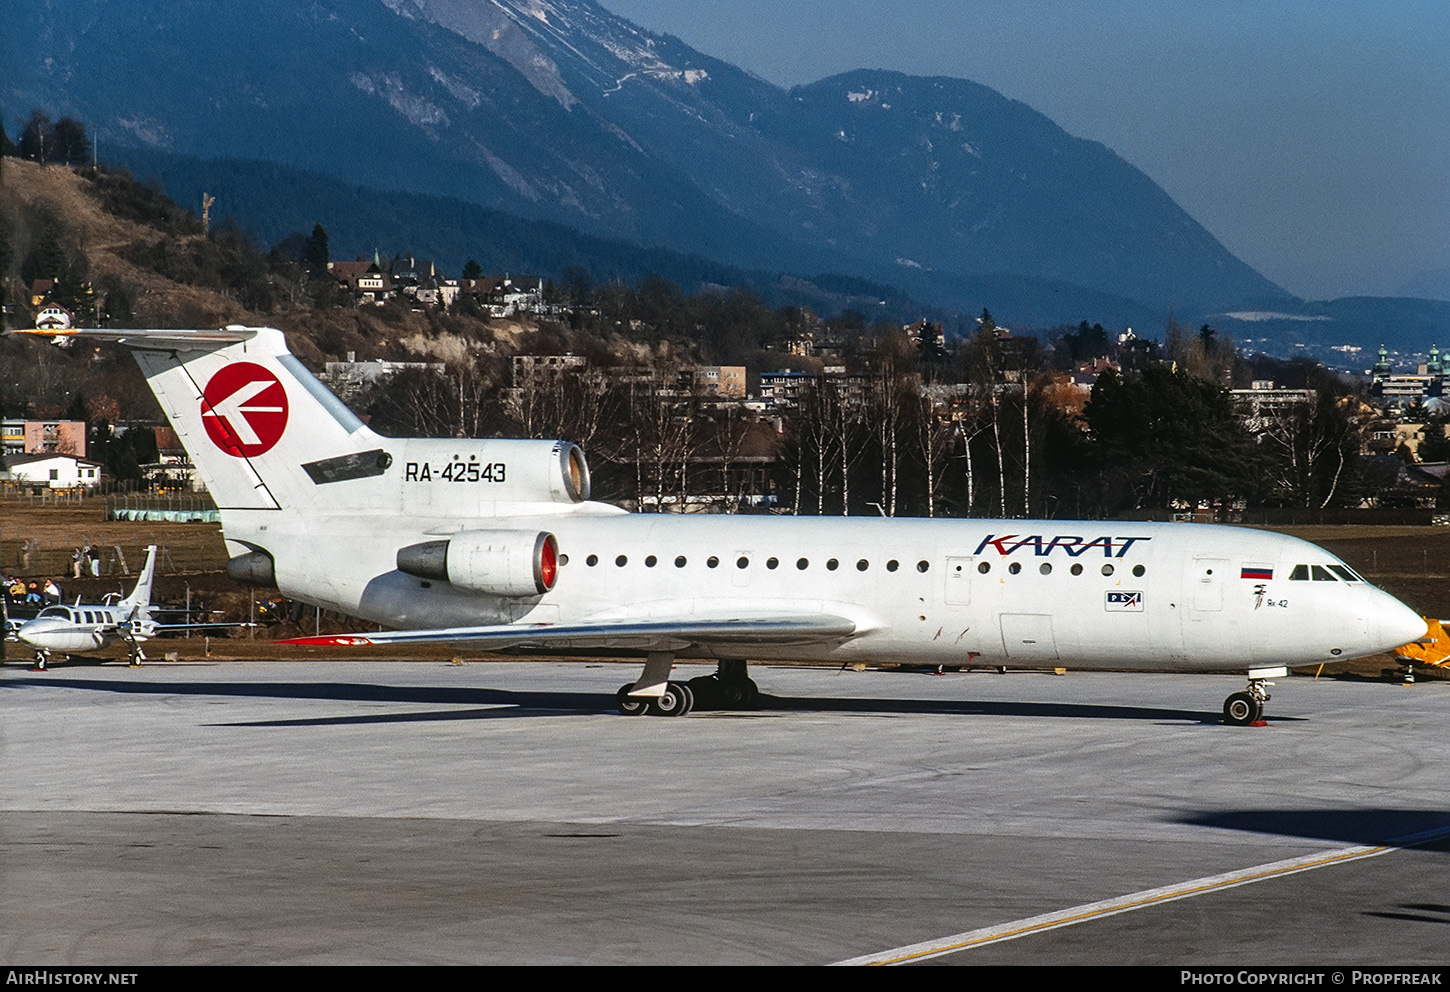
(34, 628)
(1393, 624)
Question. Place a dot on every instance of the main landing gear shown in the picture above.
(728, 689)
(1244, 708)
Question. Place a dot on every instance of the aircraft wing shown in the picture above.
(654, 634)
(215, 625)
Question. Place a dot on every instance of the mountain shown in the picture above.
(558, 110)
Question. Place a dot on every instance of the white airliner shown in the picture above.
(92, 626)
(495, 544)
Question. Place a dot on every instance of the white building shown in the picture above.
(54, 471)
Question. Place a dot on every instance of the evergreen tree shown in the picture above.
(1162, 436)
(68, 142)
(35, 138)
(316, 255)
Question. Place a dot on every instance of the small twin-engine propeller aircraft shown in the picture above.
(495, 544)
(92, 626)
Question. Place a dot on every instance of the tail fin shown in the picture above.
(260, 428)
(265, 434)
(140, 597)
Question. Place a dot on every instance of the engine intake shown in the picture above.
(495, 562)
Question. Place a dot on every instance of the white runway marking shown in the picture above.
(1137, 900)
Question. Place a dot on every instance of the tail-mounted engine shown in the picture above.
(495, 562)
(463, 473)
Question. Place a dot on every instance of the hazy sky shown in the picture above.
(1311, 137)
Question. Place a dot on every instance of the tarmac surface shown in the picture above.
(503, 813)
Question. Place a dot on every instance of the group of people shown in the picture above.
(85, 561)
(18, 592)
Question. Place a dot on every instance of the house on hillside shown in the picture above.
(421, 281)
(53, 317)
(506, 296)
(364, 280)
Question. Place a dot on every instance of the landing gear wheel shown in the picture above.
(706, 690)
(627, 704)
(739, 694)
(1241, 709)
(676, 700)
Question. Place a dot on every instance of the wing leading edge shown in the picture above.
(659, 634)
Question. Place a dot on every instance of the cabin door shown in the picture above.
(958, 581)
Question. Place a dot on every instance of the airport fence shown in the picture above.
(28, 557)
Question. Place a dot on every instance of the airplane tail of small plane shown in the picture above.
(140, 598)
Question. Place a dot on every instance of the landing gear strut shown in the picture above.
(728, 689)
(1243, 708)
(135, 654)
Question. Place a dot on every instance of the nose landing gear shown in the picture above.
(1244, 708)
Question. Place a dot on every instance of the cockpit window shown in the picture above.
(55, 611)
(1345, 573)
(1300, 574)
(1321, 574)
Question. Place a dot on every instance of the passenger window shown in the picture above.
(622, 560)
(922, 566)
(592, 560)
(892, 565)
(984, 567)
(650, 562)
(712, 562)
(832, 565)
(1015, 567)
(1108, 570)
(1300, 574)
(1138, 570)
(772, 562)
(742, 562)
(1076, 568)
(862, 565)
(680, 562)
(1045, 568)
(1321, 574)
(802, 563)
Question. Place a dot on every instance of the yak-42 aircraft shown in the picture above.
(495, 544)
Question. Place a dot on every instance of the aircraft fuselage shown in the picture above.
(1166, 597)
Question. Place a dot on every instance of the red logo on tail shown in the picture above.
(244, 408)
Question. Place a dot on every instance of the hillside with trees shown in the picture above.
(884, 418)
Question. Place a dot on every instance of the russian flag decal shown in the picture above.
(1259, 572)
